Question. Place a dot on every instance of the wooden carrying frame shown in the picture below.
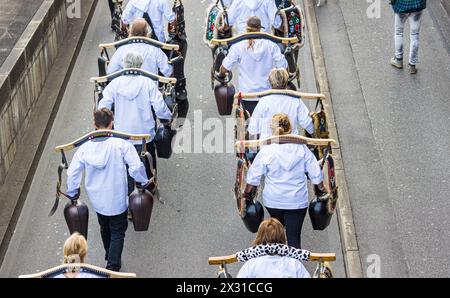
(253, 35)
(101, 134)
(314, 257)
(284, 139)
(133, 71)
(300, 95)
(139, 39)
(77, 266)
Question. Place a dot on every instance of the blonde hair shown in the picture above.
(281, 125)
(75, 249)
(270, 231)
(279, 78)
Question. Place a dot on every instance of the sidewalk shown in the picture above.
(14, 18)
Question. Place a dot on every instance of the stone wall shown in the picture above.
(24, 72)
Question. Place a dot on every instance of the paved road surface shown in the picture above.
(199, 218)
(394, 135)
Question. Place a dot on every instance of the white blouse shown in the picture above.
(270, 105)
(284, 167)
(273, 267)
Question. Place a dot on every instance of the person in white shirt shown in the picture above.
(155, 60)
(156, 10)
(270, 105)
(255, 60)
(133, 97)
(284, 167)
(104, 161)
(271, 231)
(241, 10)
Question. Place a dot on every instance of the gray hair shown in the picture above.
(133, 60)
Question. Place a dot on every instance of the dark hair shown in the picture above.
(103, 118)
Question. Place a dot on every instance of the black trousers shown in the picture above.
(112, 229)
(292, 221)
(152, 150)
(249, 105)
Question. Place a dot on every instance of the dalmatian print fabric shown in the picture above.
(273, 249)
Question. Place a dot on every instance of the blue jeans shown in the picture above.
(415, 20)
(112, 229)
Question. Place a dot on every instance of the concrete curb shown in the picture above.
(349, 241)
(18, 180)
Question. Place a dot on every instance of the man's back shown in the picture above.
(255, 63)
(154, 58)
(265, 10)
(105, 173)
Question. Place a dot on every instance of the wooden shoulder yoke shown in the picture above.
(254, 35)
(301, 95)
(101, 134)
(314, 257)
(102, 271)
(133, 71)
(285, 139)
(139, 39)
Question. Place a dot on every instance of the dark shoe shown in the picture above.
(412, 69)
(397, 63)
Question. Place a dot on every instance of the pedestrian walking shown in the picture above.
(411, 10)
(284, 167)
(134, 97)
(155, 61)
(266, 10)
(104, 161)
(255, 60)
(271, 231)
(270, 105)
(154, 11)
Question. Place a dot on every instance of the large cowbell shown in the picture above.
(76, 214)
(253, 215)
(163, 140)
(224, 94)
(320, 213)
(140, 203)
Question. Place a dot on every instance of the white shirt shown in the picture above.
(274, 104)
(254, 64)
(273, 267)
(106, 183)
(133, 98)
(154, 58)
(156, 9)
(284, 167)
(265, 10)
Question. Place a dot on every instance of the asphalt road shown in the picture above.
(199, 218)
(394, 135)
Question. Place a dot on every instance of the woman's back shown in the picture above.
(273, 267)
